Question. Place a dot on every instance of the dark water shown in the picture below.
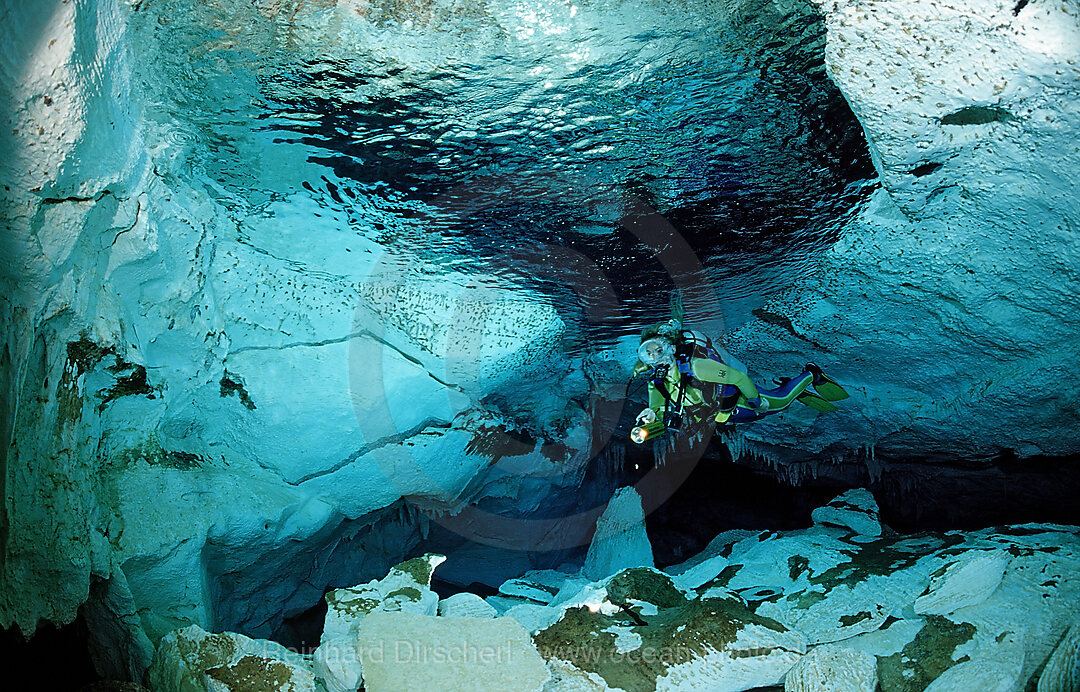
(522, 142)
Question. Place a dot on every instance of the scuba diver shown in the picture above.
(691, 385)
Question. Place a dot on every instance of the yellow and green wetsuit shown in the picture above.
(696, 386)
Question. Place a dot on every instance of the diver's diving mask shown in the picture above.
(655, 350)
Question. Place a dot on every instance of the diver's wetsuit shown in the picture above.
(704, 370)
(779, 399)
(734, 389)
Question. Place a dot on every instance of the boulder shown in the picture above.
(965, 581)
(466, 605)
(831, 668)
(998, 600)
(529, 590)
(620, 540)
(337, 664)
(566, 678)
(191, 659)
(407, 588)
(637, 630)
(407, 651)
(1062, 671)
(258, 673)
(856, 510)
(984, 676)
(534, 617)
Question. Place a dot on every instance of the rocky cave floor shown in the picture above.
(962, 578)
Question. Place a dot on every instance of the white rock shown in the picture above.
(1062, 671)
(405, 651)
(682, 642)
(620, 540)
(968, 580)
(701, 573)
(831, 668)
(534, 617)
(406, 589)
(466, 605)
(570, 589)
(856, 509)
(759, 657)
(337, 664)
(982, 675)
(185, 656)
(565, 677)
(527, 589)
(259, 673)
(843, 612)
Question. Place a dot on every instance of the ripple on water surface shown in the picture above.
(521, 140)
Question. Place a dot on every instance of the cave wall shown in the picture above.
(173, 394)
(947, 304)
(187, 417)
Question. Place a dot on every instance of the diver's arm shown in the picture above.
(708, 370)
(656, 400)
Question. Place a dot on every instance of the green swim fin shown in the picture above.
(817, 403)
(825, 386)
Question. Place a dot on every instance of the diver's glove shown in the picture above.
(759, 404)
(646, 416)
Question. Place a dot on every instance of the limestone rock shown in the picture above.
(701, 573)
(965, 581)
(186, 658)
(843, 612)
(620, 540)
(637, 630)
(856, 509)
(407, 588)
(534, 617)
(527, 589)
(567, 678)
(1006, 591)
(1062, 671)
(259, 673)
(466, 605)
(337, 664)
(984, 676)
(406, 651)
(831, 668)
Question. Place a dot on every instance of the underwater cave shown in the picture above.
(540, 346)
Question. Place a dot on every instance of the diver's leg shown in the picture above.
(782, 397)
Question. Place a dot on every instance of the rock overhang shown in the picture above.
(935, 339)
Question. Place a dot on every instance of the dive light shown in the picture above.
(641, 433)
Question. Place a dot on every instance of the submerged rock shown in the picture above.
(856, 509)
(620, 540)
(637, 631)
(966, 581)
(529, 590)
(1062, 671)
(466, 605)
(406, 589)
(406, 651)
(747, 626)
(258, 673)
(193, 660)
(831, 668)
